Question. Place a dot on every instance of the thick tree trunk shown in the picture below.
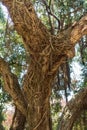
(37, 92)
(19, 120)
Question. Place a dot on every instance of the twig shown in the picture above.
(50, 12)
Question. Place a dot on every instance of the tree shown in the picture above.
(46, 52)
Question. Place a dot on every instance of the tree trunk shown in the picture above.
(39, 117)
(37, 92)
(19, 120)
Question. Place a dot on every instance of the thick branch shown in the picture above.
(27, 24)
(73, 110)
(69, 37)
(63, 44)
(78, 30)
(12, 86)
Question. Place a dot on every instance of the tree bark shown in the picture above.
(38, 99)
(73, 110)
(19, 120)
(12, 86)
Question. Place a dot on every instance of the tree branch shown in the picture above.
(27, 24)
(12, 86)
(50, 12)
(63, 44)
(78, 30)
(73, 110)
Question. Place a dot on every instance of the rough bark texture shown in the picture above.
(47, 53)
(19, 120)
(38, 99)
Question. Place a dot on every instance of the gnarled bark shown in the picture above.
(38, 100)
